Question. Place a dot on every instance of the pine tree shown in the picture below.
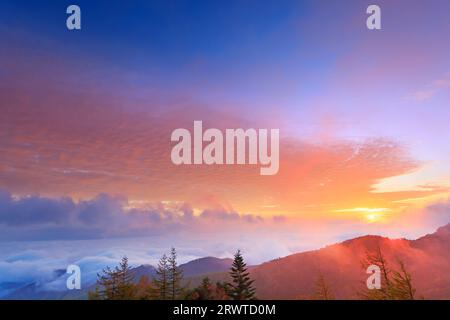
(175, 276)
(161, 281)
(241, 287)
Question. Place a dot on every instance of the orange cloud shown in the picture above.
(94, 145)
(84, 141)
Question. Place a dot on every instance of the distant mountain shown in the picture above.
(144, 270)
(293, 277)
(190, 269)
(35, 290)
(206, 265)
(32, 291)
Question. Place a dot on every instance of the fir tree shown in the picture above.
(161, 281)
(241, 287)
(175, 276)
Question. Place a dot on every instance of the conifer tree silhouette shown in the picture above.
(241, 287)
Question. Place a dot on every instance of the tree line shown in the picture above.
(119, 283)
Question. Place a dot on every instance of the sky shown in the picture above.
(86, 118)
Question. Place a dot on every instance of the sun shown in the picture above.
(372, 217)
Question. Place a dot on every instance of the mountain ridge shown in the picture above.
(293, 276)
(341, 265)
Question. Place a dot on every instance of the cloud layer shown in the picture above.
(39, 218)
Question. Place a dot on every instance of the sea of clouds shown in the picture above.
(40, 237)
